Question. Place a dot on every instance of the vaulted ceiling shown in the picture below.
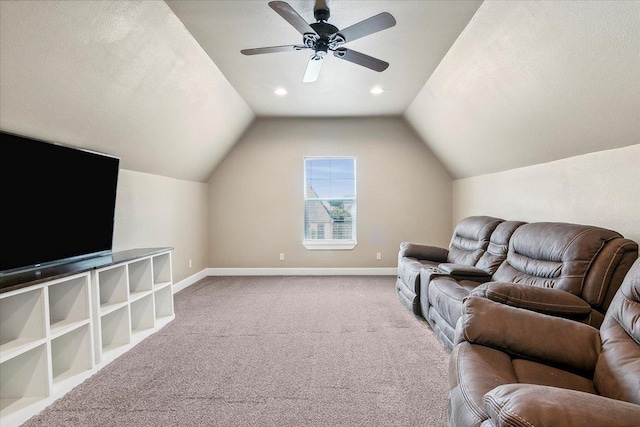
(488, 86)
(424, 32)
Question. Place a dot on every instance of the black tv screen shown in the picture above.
(58, 203)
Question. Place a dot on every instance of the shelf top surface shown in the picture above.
(32, 277)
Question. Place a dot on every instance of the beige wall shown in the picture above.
(155, 211)
(600, 188)
(256, 194)
(121, 77)
(529, 82)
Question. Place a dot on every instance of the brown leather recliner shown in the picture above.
(468, 243)
(568, 270)
(516, 367)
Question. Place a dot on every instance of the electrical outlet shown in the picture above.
(281, 256)
(190, 264)
(379, 256)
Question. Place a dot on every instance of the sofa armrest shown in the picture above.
(537, 405)
(543, 300)
(525, 333)
(462, 271)
(419, 251)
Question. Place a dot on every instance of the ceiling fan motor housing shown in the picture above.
(322, 41)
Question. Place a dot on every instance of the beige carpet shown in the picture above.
(272, 351)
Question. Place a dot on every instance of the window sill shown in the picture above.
(329, 245)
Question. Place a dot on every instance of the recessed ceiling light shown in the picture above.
(280, 91)
(376, 90)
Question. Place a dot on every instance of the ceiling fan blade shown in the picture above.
(376, 23)
(361, 59)
(313, 69)
(291, 16)
(271, 49)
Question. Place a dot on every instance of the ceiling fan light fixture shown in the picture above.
(280, 91)
(376, 90)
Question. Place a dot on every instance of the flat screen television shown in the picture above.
(58, 203)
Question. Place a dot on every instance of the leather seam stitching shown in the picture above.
(573, 240)
(508, 298)
(503, 414)
(589, 266)
(615, 316)
(608, 267)
(475, 410)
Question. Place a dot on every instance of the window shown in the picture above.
(330, 202)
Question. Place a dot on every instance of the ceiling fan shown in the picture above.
(323, 37)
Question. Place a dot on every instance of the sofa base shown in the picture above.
(408, 297)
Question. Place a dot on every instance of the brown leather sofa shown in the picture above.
(568, 270)
(517, 367)
(468, 243)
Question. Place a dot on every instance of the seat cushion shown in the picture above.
(528, 372)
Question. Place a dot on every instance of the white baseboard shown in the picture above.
(388, 271)
(177, 287)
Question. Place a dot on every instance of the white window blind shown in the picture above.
(330, 202)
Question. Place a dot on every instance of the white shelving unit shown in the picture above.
(129, 310)
(57, 333)
(46, 348)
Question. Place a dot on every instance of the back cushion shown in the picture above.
(553, 255)
(617, 372)
(471, 238)
(498, 246)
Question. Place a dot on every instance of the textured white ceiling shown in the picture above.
(414, 47)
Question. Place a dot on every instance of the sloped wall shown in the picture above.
(530, 82)
(122, 77)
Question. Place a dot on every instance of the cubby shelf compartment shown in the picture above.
(113, 288)
(22, 322)
(24, 382)
(164, 306)
(115, 333)
(71, 356)
(140, 280)
(162, 271)
(142, 317)
(69, 305)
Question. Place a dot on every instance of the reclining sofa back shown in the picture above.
(580, 259)
(468, 244)
(470, 239)
(498, 247)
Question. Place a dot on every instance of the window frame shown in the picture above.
(330, 244)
